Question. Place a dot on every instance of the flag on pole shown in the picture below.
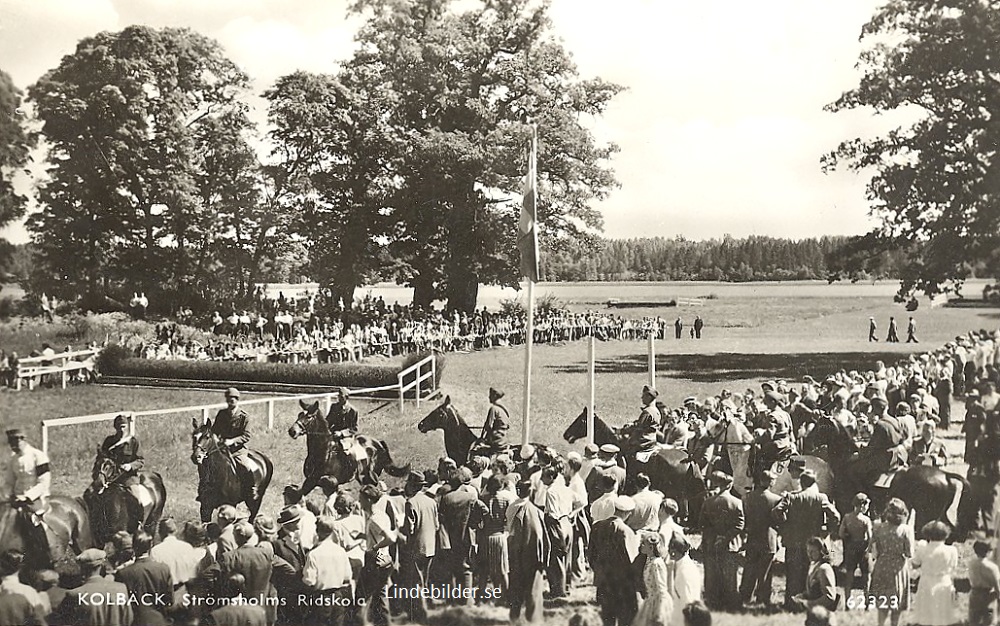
(527, 239)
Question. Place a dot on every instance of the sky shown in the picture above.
(721, 128)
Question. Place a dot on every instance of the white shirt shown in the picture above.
(179, 556)
(22, 475)
(603, 507)
(327, 567)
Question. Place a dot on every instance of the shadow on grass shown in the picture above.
(723, 366)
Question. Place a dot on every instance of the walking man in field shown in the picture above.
(911, 331)
(872, 327)
(892, 337)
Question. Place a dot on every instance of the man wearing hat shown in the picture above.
(606, 465)
(799, 516)
(256, 564)
(232, 425)
(762, 540)
(77, 607)
(343, 423)
(722, 516)
(613, 548)
(28, 478)
(885, 451)
(649, 415)
(418, 542)
(122, 449)
(774, 433)
(497, 424)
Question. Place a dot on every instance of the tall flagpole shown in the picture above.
(591, 358)
(529, 262)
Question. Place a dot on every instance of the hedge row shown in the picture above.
(353, 375)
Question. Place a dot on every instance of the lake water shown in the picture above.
(599, 293)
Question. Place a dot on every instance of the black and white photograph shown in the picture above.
(483, 312)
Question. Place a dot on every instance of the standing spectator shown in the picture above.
(457, 523)
(724, 522)
(801, 515)
(380, 540)
(872, 327)
(559, 501)
(330, 487)
(148, 578)
(74, 609)
(698, 325)
(179, 556)
(911, 331)
(255, 564)
(288, 584)
(942, 392)
(678, 328)
(984, 580)
(762, 540)
(934, 603)
(686, 580)
(494, 563)
(292, 495)
(892, 547)
(527, 555)
(238, 611)
(418, 542)
(657, 605)
(613, 548)
(11, 562)
(327, 574)
(349, 531)
(856, 535)
(892, 337)
(646, 515)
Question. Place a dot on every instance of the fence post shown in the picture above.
(327, 402)
(64, 378)
(434, 380)
(419, 369)
(270, 414)
(45, 437)
(204, 415)
(399, 379)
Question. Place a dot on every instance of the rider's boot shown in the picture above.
(249, 484)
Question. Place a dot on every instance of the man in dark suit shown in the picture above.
(458, 521)
(801, 515)
(721, 541)
(236, 613)
(419, 542)
(762, 540)
(287, 585)
(255, 564)
(528, 553)
(232, 426)
(613, 548)
(606, 465)
(149, 581)
(76, 608)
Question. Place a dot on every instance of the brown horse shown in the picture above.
(54, 544)
(112, 508)
(219, 482)
(326, 457)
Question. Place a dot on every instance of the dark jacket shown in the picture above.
(228, 425)
(724, 521)
(79, 612)
(342, 418)
(757, 508)
(143, 577)
(805, 514)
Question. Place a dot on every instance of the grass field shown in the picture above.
(748, 339)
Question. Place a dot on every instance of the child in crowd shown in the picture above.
(856, 533)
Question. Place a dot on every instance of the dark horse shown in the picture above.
(671, 470)
(64, 533)
(458, 435)
(112, 508)
(218, 482)
(928, 490)
(324, 457)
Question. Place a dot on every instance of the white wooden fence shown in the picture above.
(416, 370)
(62, 363)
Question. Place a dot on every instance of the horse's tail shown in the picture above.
(952, 479)
(397, 471)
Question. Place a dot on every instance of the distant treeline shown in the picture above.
(727, 259)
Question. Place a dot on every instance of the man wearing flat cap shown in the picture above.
(497, 424)
(613, 548)
(724, 521)
(122, 450)
(27, 476)
(232, 426)
(77, 607)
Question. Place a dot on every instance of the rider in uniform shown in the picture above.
(27, 476)
(774, 433)
(232, 425)
(496, 426)
(884, 452)
(122, 449)
(343, 422)
(642, 432)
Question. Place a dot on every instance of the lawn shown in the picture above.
(747, 340)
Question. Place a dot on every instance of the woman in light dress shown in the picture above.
(658, 607)
(934, 603)
(892, 547)
(684, 577)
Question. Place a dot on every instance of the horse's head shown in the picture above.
(439, 418)
(578, 429)
(823, 433)
(203, 441)
(104, 474)
(307, 421)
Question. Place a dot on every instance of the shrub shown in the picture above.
(109, 361)
(8, 307)
(354, 375)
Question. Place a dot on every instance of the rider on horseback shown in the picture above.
(27, 476)
(343, 422)
(642, 432)
(884, 452)
(232, 426)
(494, 436)
(122, 449)
(774, 433)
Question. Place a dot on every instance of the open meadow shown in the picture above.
(747, 339)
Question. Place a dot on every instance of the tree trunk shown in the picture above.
(423, 291)
(463, 291)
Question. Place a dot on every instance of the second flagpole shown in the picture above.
(529, 340)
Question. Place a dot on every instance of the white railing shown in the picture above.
(205, 409)
(33, 368)
(419, 376)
